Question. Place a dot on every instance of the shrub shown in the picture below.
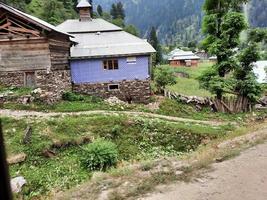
(163, 76)
(70, 96)
(100, 155)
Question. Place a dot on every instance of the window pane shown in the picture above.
(116, 64)
(110, 65)
(105, 63)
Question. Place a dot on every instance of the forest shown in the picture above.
(176, 21)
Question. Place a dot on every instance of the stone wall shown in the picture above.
(137, 91)
(53, 84)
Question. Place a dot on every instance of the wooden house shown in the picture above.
(33, 53)
(107, 61)
(180, 58)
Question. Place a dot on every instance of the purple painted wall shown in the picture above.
(91, 71)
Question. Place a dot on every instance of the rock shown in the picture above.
(17, 184)
(258, 106)
(263, 101)
(114, 101)
(37, 91)
(17, 158)
(177, 173)
(48, 153)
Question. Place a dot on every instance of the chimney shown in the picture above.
(85, 10)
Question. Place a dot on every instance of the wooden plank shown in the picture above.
(5, 25)
(36, 33)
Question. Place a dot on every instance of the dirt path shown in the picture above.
(241, 178)
(23, 114)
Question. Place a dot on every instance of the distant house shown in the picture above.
(33, 53)
(178, 58)
(260, 71)
(106, 61)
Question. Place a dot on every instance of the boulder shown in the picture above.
(17, 184)
(16, 158)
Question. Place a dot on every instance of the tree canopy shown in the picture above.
(222, 25)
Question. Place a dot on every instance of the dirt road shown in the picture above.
(23, 113)
(241, 178)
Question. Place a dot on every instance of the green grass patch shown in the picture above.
(136, 139)
(173, 108)
(190, 86)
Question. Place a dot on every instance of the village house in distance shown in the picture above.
(107, 61)
(180, 58)
(33, 53)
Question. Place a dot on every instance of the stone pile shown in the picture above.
(115, 101)
(200, 101)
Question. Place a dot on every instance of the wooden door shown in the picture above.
(30, 79)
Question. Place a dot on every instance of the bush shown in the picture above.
(100, 155)
(70, 96)
(163, 76)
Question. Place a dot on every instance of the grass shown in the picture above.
(190, 86)
(173, 108)
(137, 139)
(15, 91)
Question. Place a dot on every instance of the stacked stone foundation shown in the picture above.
(53, 84)
(136, 91)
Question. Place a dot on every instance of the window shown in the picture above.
(112, 87)
(110, 64)
(131, 60)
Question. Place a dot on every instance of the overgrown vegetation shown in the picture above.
(100, 155)
(136, 139)
(232, 74)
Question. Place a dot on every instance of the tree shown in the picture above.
(53, 11)
(114, 11)
(120, 11)
(222, 25)
(153, 40)
(163, 76)
(99, 10)
(131, 29)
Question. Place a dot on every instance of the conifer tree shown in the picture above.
(153, 40)
(99, 10)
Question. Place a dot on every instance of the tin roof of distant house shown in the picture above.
(179, 54)
(32, 19)
(74, 26)
(108, 44)
(84, 4)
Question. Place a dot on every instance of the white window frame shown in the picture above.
(131, 60)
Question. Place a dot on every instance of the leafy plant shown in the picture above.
(164, 76)
(70, 96)
(100, 155)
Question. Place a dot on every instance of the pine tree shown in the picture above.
(114, 11)
(153, 40)
(100, 10)
(120, 11)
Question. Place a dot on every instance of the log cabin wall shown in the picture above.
(32, 56)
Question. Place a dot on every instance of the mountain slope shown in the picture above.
(177, 21)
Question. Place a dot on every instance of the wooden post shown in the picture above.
(5, 189)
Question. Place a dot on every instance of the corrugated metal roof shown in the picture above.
(83, 4)
(109, 44)
(32, 19)
(185, 58)
(94, 25)
(179, 54)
